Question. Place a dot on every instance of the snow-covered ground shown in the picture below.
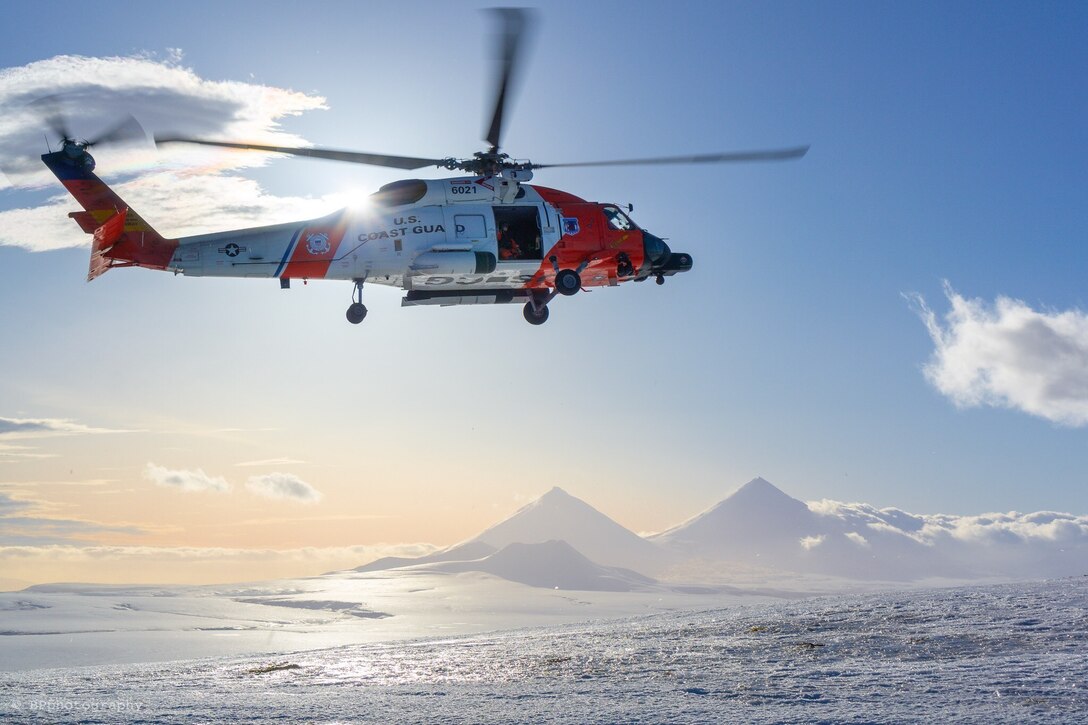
(85, 624)
(718, 618)
(1001, 653)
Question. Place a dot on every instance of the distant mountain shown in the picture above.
(462, 552)
(755, 520)
(550, 564)
(555, 516)
(759, 524)
(559, 516)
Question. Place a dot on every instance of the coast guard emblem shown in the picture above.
(317, 243)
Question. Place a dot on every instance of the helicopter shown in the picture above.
(488, 237)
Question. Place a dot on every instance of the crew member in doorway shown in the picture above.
(508, 247)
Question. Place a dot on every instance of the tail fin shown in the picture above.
(105, 238)
(121, 237)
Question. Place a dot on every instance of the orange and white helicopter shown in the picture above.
(485, 238)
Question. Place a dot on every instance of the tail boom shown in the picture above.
(121, 237)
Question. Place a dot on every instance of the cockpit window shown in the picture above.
(399, 193)
(617, 219)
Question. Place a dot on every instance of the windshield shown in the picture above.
(617, 219)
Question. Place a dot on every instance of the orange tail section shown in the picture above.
(105, 239)
(121, 237)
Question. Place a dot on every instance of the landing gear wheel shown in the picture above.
(356, 313)
(661, 279)
(533, 317)
(568, 282)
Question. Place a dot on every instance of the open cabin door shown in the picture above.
(517, 231)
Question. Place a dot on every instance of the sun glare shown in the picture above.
(353, 198)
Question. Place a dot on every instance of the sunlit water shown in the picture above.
(1010, 653)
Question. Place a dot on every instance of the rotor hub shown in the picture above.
(484, 163)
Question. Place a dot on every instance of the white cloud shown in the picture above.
(10, 453)
(89, 482)
(1009, 355)
(9, 505)
(175, 205)
(1041, 543)
(857, 538)
(164, 97)
(184, 480)
(1038, 528)
(11, 428)
(932, 529)
(30, 522)
(284, 486)
(179, 189)
(43, 530)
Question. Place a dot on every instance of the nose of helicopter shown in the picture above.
(660, 260)
(657, 252)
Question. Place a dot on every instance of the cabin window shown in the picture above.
(517, 231)
(470, 226)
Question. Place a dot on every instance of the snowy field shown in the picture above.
(1004, 653)
(95, 625)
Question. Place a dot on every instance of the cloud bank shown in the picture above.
(10, 453)
(11, 428)
(283, 486)
(179, 189)
(183, 480)
(1015, 528)
(9, 505)
(905, 545)
(186, 564)
(29, 522)
(1010, 355)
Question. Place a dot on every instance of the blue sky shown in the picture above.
(948, 144)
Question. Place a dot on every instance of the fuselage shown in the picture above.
(438, 235)
(430, 242)
(467, 240)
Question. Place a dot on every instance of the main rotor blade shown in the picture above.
(514, 24)
(734, 156)
(354, 157)
(127, 129)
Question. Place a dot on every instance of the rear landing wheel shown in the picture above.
(356, 313)
(568, 282)
(533, 317)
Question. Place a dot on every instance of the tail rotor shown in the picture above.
(50, 109)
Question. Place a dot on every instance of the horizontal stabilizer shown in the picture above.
(85, 220)
(105, 237)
